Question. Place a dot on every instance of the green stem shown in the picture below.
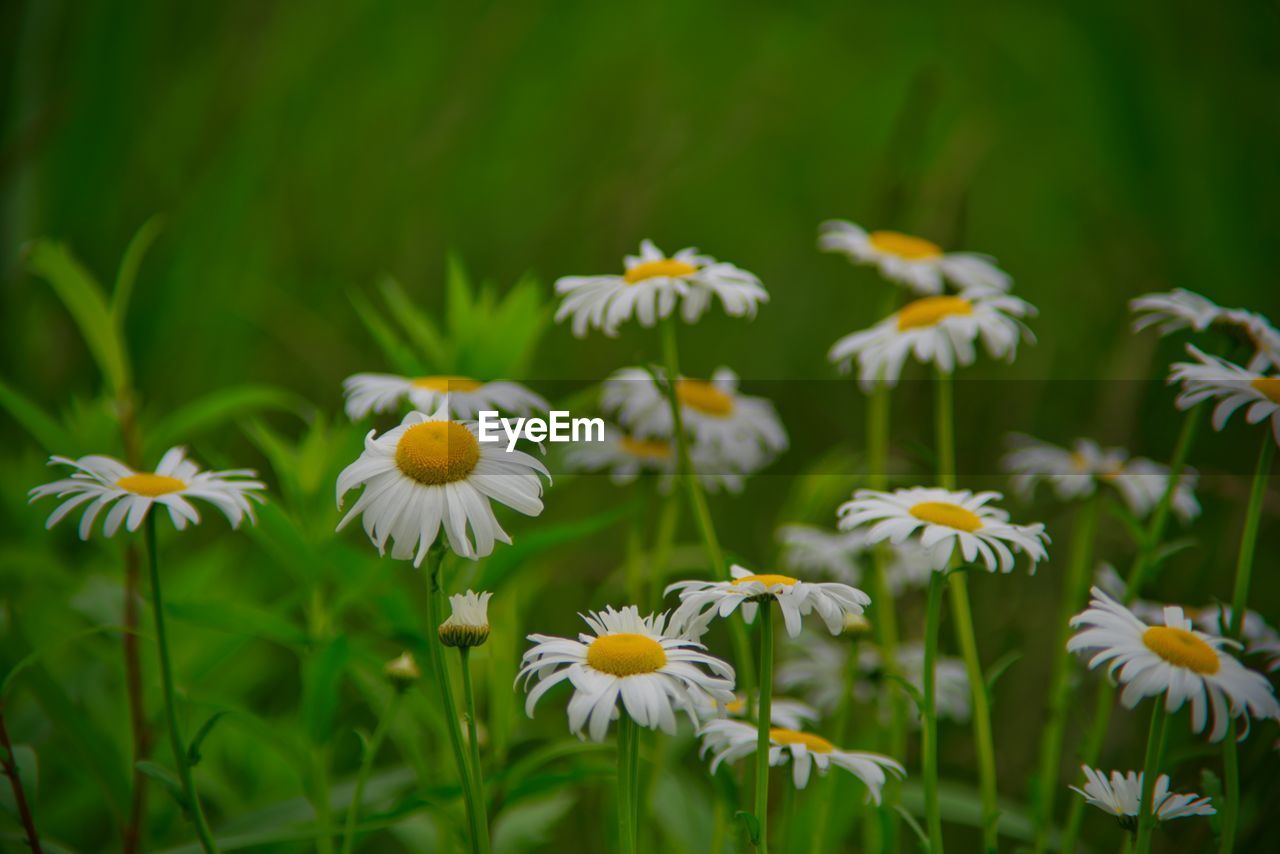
(635, 559)
(1239, 606)
(829, 789)
(177, 742)
(982, 734)
(1091, 748)
(945, 430)
(448, 707)
(366, 765)
(627, 753)
(473, 741)
(764, 720)
(663, 542)
(1150, 770)
(929, 714)
(1075, 589)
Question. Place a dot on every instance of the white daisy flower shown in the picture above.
(465, 397)
(783, 711)
(730, 740)
(636, 660)
(468, 622)
(745, 430)
(1260, 638)
(100, 480)
(650, 288)
(1210, 377)
(946, 519)
(937, 330)
(1182, 309)
(839, 555)
(626, 457)
(702, 601)
(1121, 795)
(1173, 659)
(814, 666)
(919, 264)
(1109, 581)
(1077, 473)
(431, 472)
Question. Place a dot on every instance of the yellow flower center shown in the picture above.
(735, 707)
(668, 267)
(815, 743)
(647, 449)
(1269, 387)
(768, 579)
(947, 514)
(446, 384)
(150, 485)
(626, 654)
(436, 452)
(929, 311)
(1181, 648)
(704, 397)
(904, 246)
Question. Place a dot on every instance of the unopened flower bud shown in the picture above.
(468, 625)
(856, 625)
(403, 671)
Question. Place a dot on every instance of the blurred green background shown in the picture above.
(296, 154)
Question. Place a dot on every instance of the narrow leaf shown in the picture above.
(193, 752)
(44, 428)
(216, 408)
(129, 265)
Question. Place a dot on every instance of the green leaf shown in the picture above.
(237, 618)
(44, 428)
(193, 752)
(24, 760)
(127, 275)
(216, 408)
(82, 296)
(921, 836)
(527, 826)
(534, 542)
(961, 803)
(997, 669)
(910, 690)
(165, 778)
(750, 826)
(1168, 550)
(321, 680)
(417, 324)
(398, 353)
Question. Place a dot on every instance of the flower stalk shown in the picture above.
(628, 758)
(366, 766)
(929, 714)
(1150, 770)
(764, 720)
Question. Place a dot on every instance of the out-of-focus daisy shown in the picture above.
(946, 519)
(702, 601)
(839, 556)
(1212, 378)
(1078, 471)
(950, 679)
(367, 393)
(918, 263)
(468, 621)
(1107, 579)
(1260, 638)
(651, 287)
(1173, 659)
(746, 430)
(1182, 309)
(730, 740)
(99, 481)
(625, 458)
(431, 473)
(1120, 796)
(783, 711)
(626, 658)
(815, 667)
(938, 330)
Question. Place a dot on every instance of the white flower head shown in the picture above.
(939, 330)
(1122, 794)
(652, 286)
(1182, 309)
(99, 481)
(703, 601)
(839, 555)
(1212, 378)
(464, 397)
(629, 663)
(1260, 638)
(783, 711)
(431, 473)
(1172, 658)
(730, 740)
(626, 457)
(915, 262)
(468, 624)
(946, 521)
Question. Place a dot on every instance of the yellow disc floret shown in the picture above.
(437, 452)
(947, 514)
(444, 384)
(704, 397)
(930, 310)
(645, 449)
(626, 654)
(665, 267)
(1182, 648)
(150, 485)
(1269, 387)
(815, 743)
(904, 246)
(767, 579)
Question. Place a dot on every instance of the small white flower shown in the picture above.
(651, 287)
(919, 264)
(1210, 378)
(431, 473)
(946, 519)
(468, 622)
(465, 397)
(730, 740)
(1182, 309)
(838, 555)
(1173, 659)
(100, 480)
(630, 660)
(1260, 638)
(940, 330)
(626, 458)
(783, 712)
(1122, 794)
(702, 601)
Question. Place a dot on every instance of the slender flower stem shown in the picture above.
(10, 764)
(764, 720)
(663, 541)
(366, 765)
(929, 714)
(698, 500)
(1239, 605)
(1074, 590)
(131, 437)
(448, 707)
(176, 740)
(830, 789)
(945, 430)
(627, 755)
(634, 564)
(473, 741)
(1150, 770)
(1091, 748)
